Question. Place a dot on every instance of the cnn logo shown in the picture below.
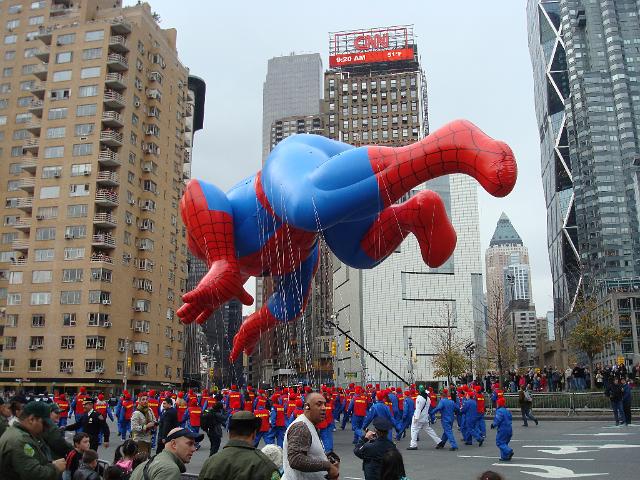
(372, 42)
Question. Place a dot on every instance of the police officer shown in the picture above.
(239, 459)
(372, 447)
(92, 423)
(21, 453)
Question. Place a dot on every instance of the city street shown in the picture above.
(554, 449)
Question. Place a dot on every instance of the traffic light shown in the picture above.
(334, 348)
(211, 372)
(129, 362)
(347, 345)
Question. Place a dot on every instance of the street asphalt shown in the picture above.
(553, 449)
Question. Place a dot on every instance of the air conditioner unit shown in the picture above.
(99, 370)
(95, 276)
(129, 221)
(142, 247)
(86, 173)
(132, 202)
(106, 302)
(68, 236)
(68, 370)
(139, 329)
(107, 325)
(33, 347)
(144, 227)
(147, 168)
(84, 138)
(56, 175)
(136, 104)
(126, 256)
(121, 349)
(138, 309)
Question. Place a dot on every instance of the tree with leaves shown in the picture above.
(589, 335)
(450, 360)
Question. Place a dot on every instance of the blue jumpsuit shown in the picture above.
(407, 413)
(471, 418)
(502, 422)
(448, 410)
(379, 409)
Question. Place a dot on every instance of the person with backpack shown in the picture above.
(211, 422)
(615, 394)
(525, 399)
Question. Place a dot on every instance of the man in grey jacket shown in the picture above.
(180, 445)
(143, 423)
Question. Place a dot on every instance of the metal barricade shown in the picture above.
(571, 402)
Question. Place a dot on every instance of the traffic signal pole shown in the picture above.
(334, 325)
(126, 364)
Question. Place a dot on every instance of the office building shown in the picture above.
(375, 93)
(291, 105)
(587, 89)
(95, 143)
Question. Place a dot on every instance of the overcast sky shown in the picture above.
(474, 53)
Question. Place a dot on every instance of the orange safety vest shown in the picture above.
(154, 405)
(433, 399)
(263, 415)
(400, 402)
(480, 403)
(390, 406)
(291, 406)
(80, 404)
(360, 406)
(328, 419)
(128, 409)
(279, 415)
(101, 408)
(234, 401)
(64, 408)
(181, 409)
(194, 416)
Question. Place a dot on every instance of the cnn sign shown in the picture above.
(358, 41)
(378, 41)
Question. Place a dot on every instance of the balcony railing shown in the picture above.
(120, 27)
(29, 164)
(103, 241)
(36, 107)
(112, 119)
(41, 71)
(27, 184)
(25, 204)
(107, 197)
(114, 99)
(117, 62)
(43, 53)
(118, 43)
(111, 138)
(108, 178)
(109, 158)
(104, 220)
(23, 225)
(39, 89)
(99, 257)
(20, 245)
(31, 145)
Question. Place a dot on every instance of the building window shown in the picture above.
(70, 275)
(44, 254)
(68, 319)
(94, 35)
(56, 132)
(14, 299)
(73, 253)
(86, 110)
(72, 297)
(37, 321)
(54, 171)
(95, 341)
(11, 320)
(64, 57)
(49, 192)
(57, 113)
(54, 152)
(35, 365)
(60, 94)
(10, 343)
(88, 91)
(61, 76)
(46, 233)
(94, 366)
(8, 365)
(77, 211)
(91, 53)
(84, 129)
(79, 190)
(41, 276)
(90, 72)
(82, 149)
(40, 298)
(66, 366)
(66, 39)
(80, 169)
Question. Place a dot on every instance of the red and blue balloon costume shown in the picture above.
(269, 224)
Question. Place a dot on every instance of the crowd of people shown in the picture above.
(160, 431)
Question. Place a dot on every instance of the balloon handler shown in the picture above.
(269, 223)
(502, 421)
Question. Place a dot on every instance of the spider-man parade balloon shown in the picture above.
(269, 224)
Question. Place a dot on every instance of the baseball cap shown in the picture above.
(381, 423)
(37, 409)
(184, 432)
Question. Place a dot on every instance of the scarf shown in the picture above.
(145, 412)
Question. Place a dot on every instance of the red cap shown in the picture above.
(501, 402)
(180, 394)
(380, 395)
(83, 389)
(307, 389)
(100, 397)
(152, 393)
(358, 389)
(351, 385)
(261, 402)
(127, 396)
(478, 388)
(193, 402)
(445, 392)
(398, 390)
(249, 388)
(377, 386)
(407, 393)
(299, 403)
(234, 387)
(63, 396)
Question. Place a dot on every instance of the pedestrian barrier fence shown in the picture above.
(571, 402)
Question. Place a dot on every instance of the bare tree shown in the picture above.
(450, 360)
(500, 339)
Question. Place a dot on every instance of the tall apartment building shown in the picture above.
(292, 95)
(584, 57)
(95, 150)
(375, 93)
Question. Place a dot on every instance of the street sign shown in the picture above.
(350, 374)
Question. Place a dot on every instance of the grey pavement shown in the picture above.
(555, 449)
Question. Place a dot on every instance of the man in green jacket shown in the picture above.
(53, 437)
(179, 446)
(22, 455)
(239, 459)
(5, 413)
